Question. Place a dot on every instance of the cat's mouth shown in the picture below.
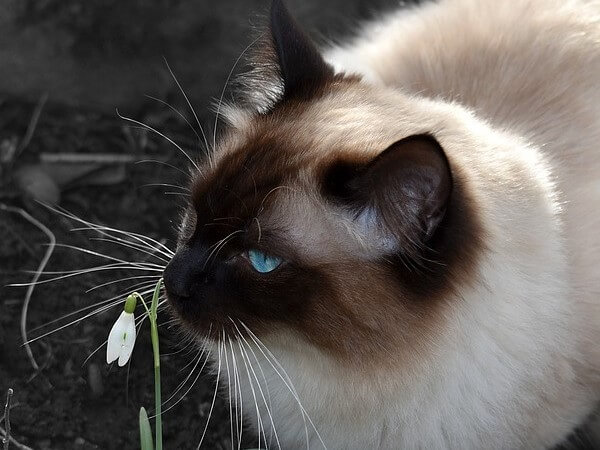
(198, 298)
(191, 313)
(206, 324)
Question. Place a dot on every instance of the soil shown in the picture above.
(109, 53)
(75, 400)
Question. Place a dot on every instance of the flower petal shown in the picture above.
(113, 346)
(128, 341)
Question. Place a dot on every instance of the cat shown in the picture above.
(396, 238)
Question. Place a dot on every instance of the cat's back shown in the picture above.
(514, 62)
(530, 67)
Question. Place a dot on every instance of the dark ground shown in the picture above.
(89, 59)
(69, 404)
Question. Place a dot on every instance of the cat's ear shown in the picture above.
(284, 63)
(302, 68)
(399, 198)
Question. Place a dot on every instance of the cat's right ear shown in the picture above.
(285, 63)
(302, 68)
(398, 199)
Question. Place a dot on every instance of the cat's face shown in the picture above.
(335, 216)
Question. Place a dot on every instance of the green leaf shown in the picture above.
(145, 431)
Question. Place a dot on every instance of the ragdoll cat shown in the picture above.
(400, 237)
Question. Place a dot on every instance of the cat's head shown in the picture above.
(332, 213)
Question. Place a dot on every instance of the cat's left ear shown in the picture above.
(302, 68)
(399, 199)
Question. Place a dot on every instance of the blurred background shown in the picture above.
(65, 68)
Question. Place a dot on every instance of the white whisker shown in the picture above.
(150, 251)
(192, 110)
(118, 297)
(194, 361)
(142, 242)
(213, 400)
(102, 255)
(183, 188)
(239, 425)
(93, 353)
(176, 111)
(185, 346)
(120, 280)
(150, 242)
(275, 189)
(168, 139)
(260, 424)
(287, 383)
(225, 88)
(228, 389)
(259, 387)
(188, 389)
(97, 311)
(85, 272)
(164, 164)
(268, 404)
(184, 382)
(220, 245)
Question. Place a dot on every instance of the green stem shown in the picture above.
(155, 349)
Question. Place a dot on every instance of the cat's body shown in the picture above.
(506, 353)
(532, 69)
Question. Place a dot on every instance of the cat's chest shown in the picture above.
(299, 407)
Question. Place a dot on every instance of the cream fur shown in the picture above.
(511, 89)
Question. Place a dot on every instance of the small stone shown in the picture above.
(36, 182)
(95, 380)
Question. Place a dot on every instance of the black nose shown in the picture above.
(185, 272)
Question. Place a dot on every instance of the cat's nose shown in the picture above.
(185, 272)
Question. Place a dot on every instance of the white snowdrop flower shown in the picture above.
(121, 338)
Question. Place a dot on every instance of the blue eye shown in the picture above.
(263, 263)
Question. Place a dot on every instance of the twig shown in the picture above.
(92, 158)
(35, 117)
(45, 364)
(13, 406)
(36, 277)
(6, 433)
(15, 442)
(6, 417)
(6, 438)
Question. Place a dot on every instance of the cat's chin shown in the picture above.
(201, 322)
(210, 328)
(199, 328)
